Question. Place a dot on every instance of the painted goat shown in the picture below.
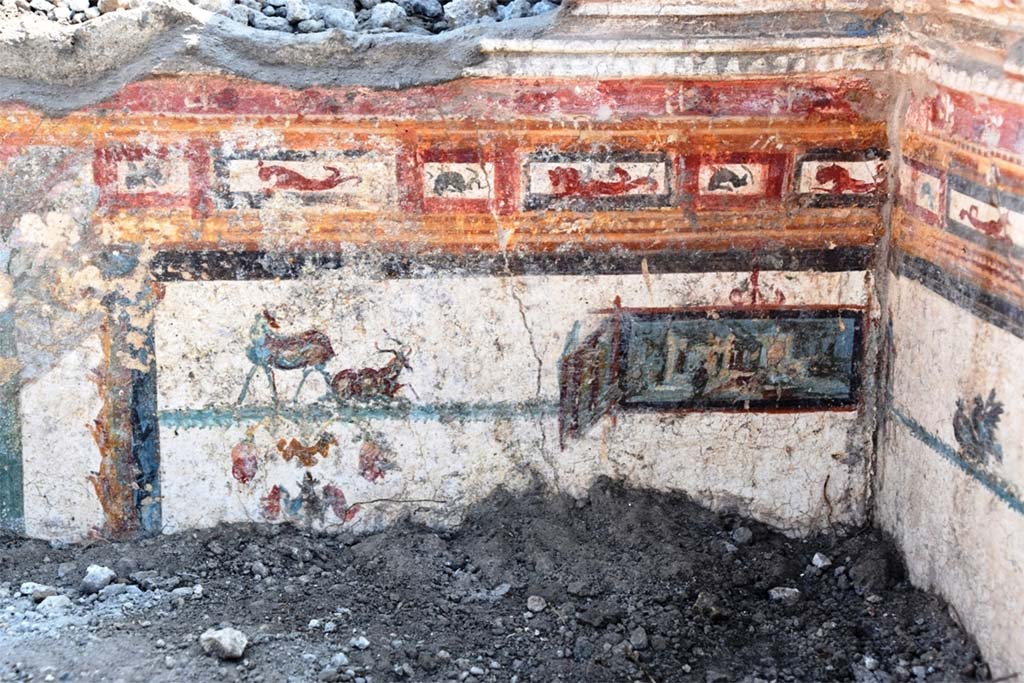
(373, 383)
(268, 351)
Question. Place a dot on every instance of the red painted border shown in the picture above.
(195, 197)
(497, 99)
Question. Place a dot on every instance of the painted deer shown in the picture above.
(842, 182)
(373, 383)
(567, 182)
(268, 351)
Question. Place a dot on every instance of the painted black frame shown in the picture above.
(856, 314)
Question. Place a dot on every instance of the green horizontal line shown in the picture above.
(999, 488)
(457, 411)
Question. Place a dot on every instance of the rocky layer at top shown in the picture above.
(424, 17)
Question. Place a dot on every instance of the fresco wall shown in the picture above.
(235, 301)
(782, 274)
(951, 470)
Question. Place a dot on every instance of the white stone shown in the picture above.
(820, 561)
(514, 10)
(463, 12)
(54, 603)
(32, 588)
(388, 15)
(97, 577)
(788, 596)
(543, 7)
(226, 643)
(105, 6)
(6, 292)
(240, 13)
(359, 642)
(310, 26)
(536, 603)
(335, 17)
(261, 21)
(297, 11)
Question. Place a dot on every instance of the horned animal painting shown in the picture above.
(269, 350)
(373, 383)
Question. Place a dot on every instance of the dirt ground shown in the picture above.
(623, 585)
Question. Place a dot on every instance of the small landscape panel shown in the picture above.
(742, 359)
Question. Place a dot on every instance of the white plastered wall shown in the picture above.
(58, 450)
(959, 537)
(491, 344)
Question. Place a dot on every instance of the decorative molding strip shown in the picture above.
(699, 58)
(675, 46)
(993, 84)
(677, 8)
(1001, 490)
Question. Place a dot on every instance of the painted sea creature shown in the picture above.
(245, 460)
(306, 455)
(724, 178)
(994, 228)
(373, 383)
(455, 183)
(282, 178)
(841, 182)
(567, 182)
(268, 350)
(975, 429)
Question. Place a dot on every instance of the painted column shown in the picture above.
(127, 483)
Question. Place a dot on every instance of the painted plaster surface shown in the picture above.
(59, 498)
(962, 538)
(285, 286)
(958, 540)
(951, 467)
(471, 415)
(338, 304)
(960, 359)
